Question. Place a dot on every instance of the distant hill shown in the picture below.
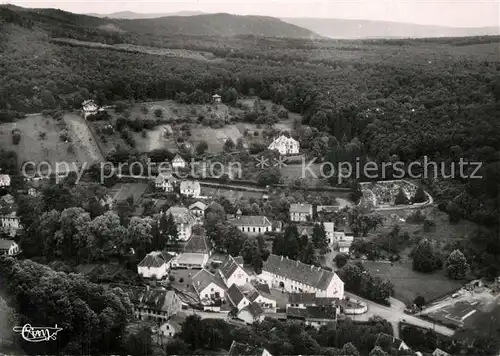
(217, 25)
(355, 29)
(85, 27)
(130, 15)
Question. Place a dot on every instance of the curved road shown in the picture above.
(395, 315)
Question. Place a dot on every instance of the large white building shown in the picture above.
(301, 212)
(190, 188)
(285, 145)
(8, 247)
(89, 107)
(4, 180)
(178, 162)
(209, 287)
(155, 265)
(165, 182)
(251, 224)
(184, 221)
(232, 272)
(297, 277)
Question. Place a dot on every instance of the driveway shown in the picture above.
(395, 315)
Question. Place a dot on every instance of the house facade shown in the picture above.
(184, 221)
(209, 287)
(4, 180)
(301, 212)
(178, 162)
(285, 145)
(236, 297)
(155, 265)
(251, 313)
(9, 247)
(216, 98)
(293, 277)
(190, 188)
(315, 316)
(165, 182)
(251, 225)
(89, 107)
(155, 304)
(232, 272)
(261, 294)
(198, 210)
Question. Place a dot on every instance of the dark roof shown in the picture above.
(228, 268)
(235, 295)
(6, 244)
(198, 205)
(298, 271)
(301, 208)
(316, 312)
(302, 298)
(198, 244)
(263, 288)
(155, 259)
(156, 299)
(181, 215)
(260, 290)
(305, 230)
(239, 349)
(254, 309)
(251, 220)
(202, 279)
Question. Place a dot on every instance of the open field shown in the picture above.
(409, 284)
(232, 195)
(40, 140)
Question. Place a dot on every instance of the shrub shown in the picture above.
(16, 136)
(181, 280)
(159, 113)
(171, 278)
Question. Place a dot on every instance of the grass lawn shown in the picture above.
(122, 191)
(409, 284)
(40, 141)
(232, 195)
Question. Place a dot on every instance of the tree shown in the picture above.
(341, 260)
(201, 147)
(401, 198)
(171, 232)
(349, 350)
(229, 145)
(141, 343)
(319, 237)
(419, 301)
(158, 113)
(424, 258)
(377, 351)
(419, 196)
(456, 265)
(252, 255)
(139, 235)
(269, 177)
(106, 236)
(240, 144)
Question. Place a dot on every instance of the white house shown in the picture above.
(209, 287)
(157, 305)
(4, 180)
(250, 224)
(261, 294)
(216, 98)
(178, 162)
(191, 188)
(184, 221)
(239, 349)
(190, 260)
(198, 210)
(173, 325)
(232, 272)
(251, 313)
(301, 212)
(9, 221)
(8, 247)
(165, 182)
(155, 265)
(89, 107)
(293, 276)
(285, 145)
(236, 297)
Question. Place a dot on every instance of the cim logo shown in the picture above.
(37, 334)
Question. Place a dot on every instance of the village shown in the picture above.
(191, 275)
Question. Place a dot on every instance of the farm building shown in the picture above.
(232, 272)
(314, 315)
(251, 225)
(155, 265)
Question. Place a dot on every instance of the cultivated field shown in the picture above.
(409, 284)
(40, 140)
(122, 191)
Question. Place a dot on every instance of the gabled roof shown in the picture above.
(156, 299)
(301, 208)
(190, 185)
(439, 352)
(6, 244)
(305, 230)
(302, 298)
(251, 220)
(216, 96)
(254, 309)
(260, 289)
(155, 259)
(229, 267)
(283, 140)
(239, 349)
(163, 177)
(204, 278)
(235, 295)
(4, 179)
(181, 215)
(298, 271)
(198, 244)
(191, 258)
(198, 205)
(178, 158)
(383, 338)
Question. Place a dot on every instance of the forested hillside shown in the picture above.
(402, 99)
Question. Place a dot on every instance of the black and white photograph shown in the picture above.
(250, 177)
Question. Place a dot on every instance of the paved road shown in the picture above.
(395, 315)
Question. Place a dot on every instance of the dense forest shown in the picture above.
(399, 99)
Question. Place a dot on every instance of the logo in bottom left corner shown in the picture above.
(37, 333)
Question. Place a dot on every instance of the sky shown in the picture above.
(455, 13)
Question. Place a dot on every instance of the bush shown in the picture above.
(171, 278)
(159, 113)
(181, 280)
(16, 136)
